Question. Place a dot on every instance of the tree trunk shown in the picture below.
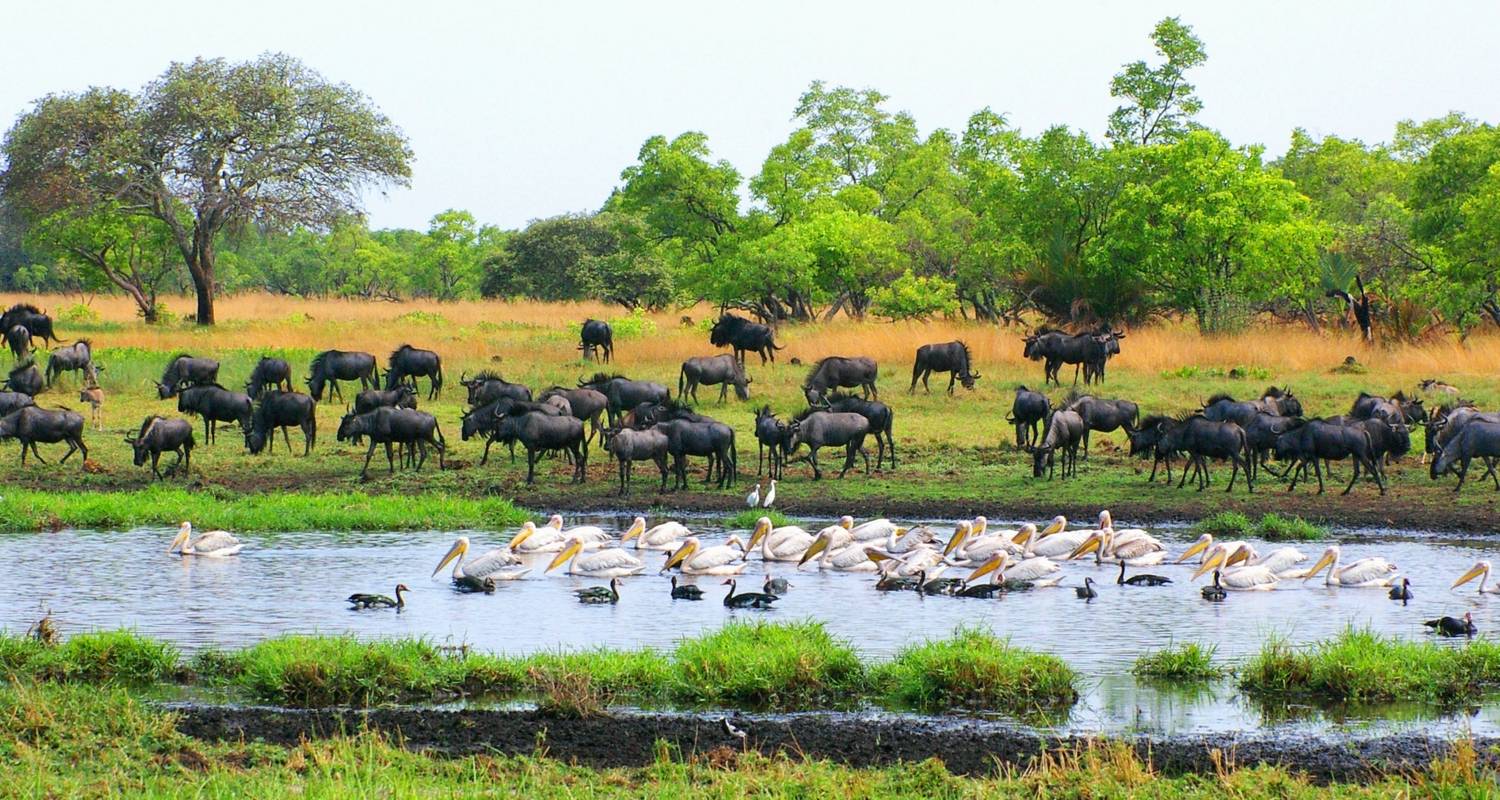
(202, 269)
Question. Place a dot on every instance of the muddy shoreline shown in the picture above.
(628, 738)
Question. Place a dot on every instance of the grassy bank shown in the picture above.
(976, 670)
(30, 510)
(1271, 526)
(1361, 666)
(73, 741)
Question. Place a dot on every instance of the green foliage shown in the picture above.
(1190, 371)
(746, 519)
(419, 317)
(1187, 662)
(757, 664)
(974, 669)
(78, 314)
(1160, 102)
(316, 671)
(103, 657)
(1276, 528)
(1361, 666)
(913, 297)
(1225, 524)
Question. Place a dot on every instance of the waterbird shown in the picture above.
(776, 586)
(467, 584)
(495, 564)
(1215, 593)
(1239, 579)
(1055, 539)
(1448, 626)
(786, 543)
(685, 591)
(1366, 572)
(935, 585)
(1137, 548)
(610, 562)
(666, 536)
(359, 600)
(213, 544)
(747, 599)
(731, 729)
(1030, 571)
(1086, 591)
(600, 595)
(753, 499)
(1480, 570)
(1140, 580)
(847, 557)
(1205, 544)
(770, 495)
(695, 559)
(1402, 592)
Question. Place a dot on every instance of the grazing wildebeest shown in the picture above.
(161, 435)
(1027, 411)
(408, 363)
(394, 426)
(540, 434)
(951, 357)
(1447, 423)
(1149, 439)
(743, 335)
(1223, 408)
(25, 378)
(1478, 439)
(1314, 441)
(1104, 416)
(701, 437)
(10, 401)
(1202, 438)
(269, 373)
(628, 446)
(1261, 431)
(278, 409)
(596, 335)
(31, 318)
(772, 433)
(1056, 348)
(1063, 431)
(840, 372)
(216, 404)
(722, 371)
(488, 386)
(370, 399)
(587, 405)
(331, 366)
(882, 421)
(818, 429)
(624, 394)
(19, 340)
(31, 424)
(1397, 409)
(94, 396)
(185, 370)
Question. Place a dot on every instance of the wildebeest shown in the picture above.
(722, 371)
(840, 372)
(819, 429)
(162, 435)
(30, 425)
(331, 366)
(1278, 401)
(76, 356)
(94, 396)
(407, 363)
(540, 433)
(586, 404)
(1027, 411)
(185, 370)
(624, 393)
(489, 386)
(216, 404)
(1063, 431)
(10, 401)
(1202, 438)
(33, 319)
(283, 410)
(1313, 441)
(392, 426)
(1478, 439)
(772, 433)
(25, 378)
(701, 437)
(269, 373)
(1150, 439)
(628, 446)
(19, 340)
(953, 358)
(485, 420)
(882, 421)
(1435, 386)
(1261, 431)
(1055, 348)
(596, 335)
(1398, 408)
(1103, 416)
(1445, 425)
(371, 399)
(743, 335)
(1388, 442)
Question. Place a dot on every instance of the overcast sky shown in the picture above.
(524, 110)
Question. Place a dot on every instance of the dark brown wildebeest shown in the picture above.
(588, 405)
(282, 410)
(819, 429)
(30, 425)
(10, 401)
(25, 378)
(744, 336)
(394, 426)
(722, 371)
(216, 404)
(408, 363)
(33, 319)
(772, 433)
(489, 386)
(1063, 431)
(269, 373)
(950, 357)
(370, 399)
(624, 394)
(596, 335)
(541, 433)
(1104, 416)
(183, 371)
(331, 366)
(161, 435)
(19, 340)
(841, 372)
(1478, 439)
(1312, 442)
(1027, 411)
(882, 421)
(1223, 408)
(628, 446)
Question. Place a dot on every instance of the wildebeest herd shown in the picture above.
(642, 421)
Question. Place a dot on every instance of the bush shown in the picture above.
(317, 671)
(1362, 666)
(754, 664)
(78, 314)
(748, 518)
(104, 657)
(1188, 662)
(419, 317)
(913, 297)
(975, 669)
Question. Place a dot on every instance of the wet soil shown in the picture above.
(964, 745)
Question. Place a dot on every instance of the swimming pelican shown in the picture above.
(874, 529)
(786, 543)
(918, 559)
(908, 539)
(1138, 548)
(770, 495)
(493, 564)
(213, 544)
(1030, 570)
(610, 562)
(1283, 560)
(753, 499)
(1241, 578)
(967, 547)
(1366, 572)
(666, 536)
(1480, 570)
(694, 559)
(531, 539)
(1055, 539)
(1204, 544)
(848, 557)
(360, 600)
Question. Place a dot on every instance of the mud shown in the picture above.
(964, 745)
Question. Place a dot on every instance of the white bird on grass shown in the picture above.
(770, 495)
(753, 499)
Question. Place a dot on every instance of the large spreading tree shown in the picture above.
(208, 146)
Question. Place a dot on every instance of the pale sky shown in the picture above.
(518, 111)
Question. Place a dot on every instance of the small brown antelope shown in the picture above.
(94, 396)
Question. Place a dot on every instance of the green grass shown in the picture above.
(1186, 662)
(747, 518)
(30, 510)
(1225, 525)
(974, 669)
(104, 657)
(316, 671)
(759, 664)
(1362, 666)
(1276, 528)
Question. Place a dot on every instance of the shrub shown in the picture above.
(316, 671)
(1276, 528)
(1362, 666)
(104, 657)
(419, 317)
(913, 297)
(78, 314)
(975, 669)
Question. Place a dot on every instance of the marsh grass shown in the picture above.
(1224, 525)
(1276, 528)
(1184, 662)
(118, 656)
(1362, 666)
(764, 665)
(747, 518)
(974, 669)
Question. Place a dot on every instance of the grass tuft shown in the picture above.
(1187, 662)
(1276, 528)
(1225, 524)
(316, 671)
(977, 670)
(118, 656)
(746, 519)
(757, 664)
(1362, 666)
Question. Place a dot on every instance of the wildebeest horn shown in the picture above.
(463, 378)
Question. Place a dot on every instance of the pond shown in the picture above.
(297, 582)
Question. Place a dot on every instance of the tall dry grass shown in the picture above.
(477, 330)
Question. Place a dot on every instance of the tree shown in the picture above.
(208, 146)
(1160, 101)
(132, 253)
(1456, 201)
(682, 196)
(447, 263)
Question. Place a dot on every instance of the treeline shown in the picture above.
(859, 213)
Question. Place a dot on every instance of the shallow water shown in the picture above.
(296, 582)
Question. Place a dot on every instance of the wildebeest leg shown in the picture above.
(484, 459)
(812, 458)
(1358, 462)
(624, 475)
(1236, 474)
(155, 460)
(531, 457)
(661, 466)
(364, 472)
(390, 460)
(1463, 472)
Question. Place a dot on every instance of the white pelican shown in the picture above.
(770, 495)
(694, 559)
(846, 557)
(666, 536)
(1241, 579)
(907, 540)
(1031, 570)
(967, 546)
(924, 559)
(1366, 572)
(610, 562)
(873, 530)
(493, 564)
(839, 532)
(1283, 560)
(1055, 539)
(786, 543)
(213, 544)
(1108, 521)
(1204, 544)
(1136, 548)
(531, 539)
(1480, 570)
(753, 499)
